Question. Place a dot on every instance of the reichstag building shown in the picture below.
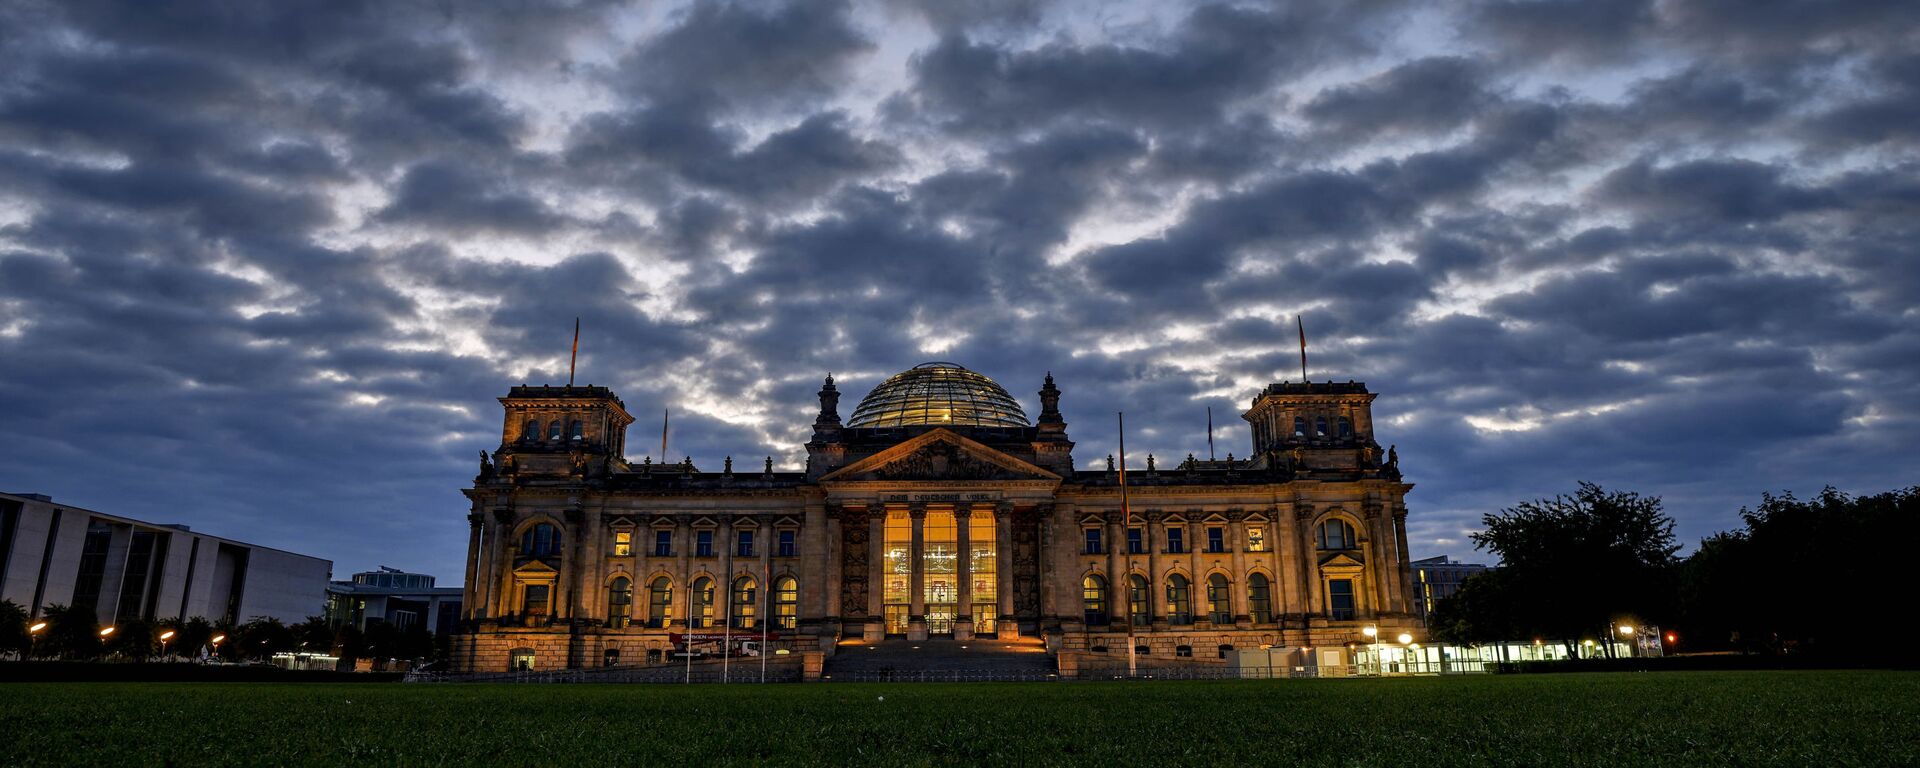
(938, 509)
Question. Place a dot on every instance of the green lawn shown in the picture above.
(1613, 719)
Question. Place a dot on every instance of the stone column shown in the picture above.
(917, 612)
(1004, 623)
(470, 602)
(1047, 570)
(500, 562)
(1154, 545)
(1237, 545)
(764, 611)
(729, 539)
(963, 571)
(831, 574)
(1116, 541)
(876, 573)
(683, 572)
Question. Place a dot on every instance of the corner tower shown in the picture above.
(561, 431)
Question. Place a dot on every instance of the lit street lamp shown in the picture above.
(164, 637)
(32, 634)
(216, 643)
(106, 631)
(1626, 631)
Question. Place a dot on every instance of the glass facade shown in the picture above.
(940, 570)
(983, 571)
(938, 393)
(897, 570)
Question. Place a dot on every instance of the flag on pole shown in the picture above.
(1303, 347)
(575, 355)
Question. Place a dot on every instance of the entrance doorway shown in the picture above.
(940, 619)
(896, 619)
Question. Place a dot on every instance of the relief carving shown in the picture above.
(944, 461)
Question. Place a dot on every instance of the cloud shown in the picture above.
(249, 250)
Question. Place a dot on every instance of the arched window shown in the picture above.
(1299, 426)
(619, 602)
(576, 431)
(542, 541)
(531, 431)
(1137, 596)
(1179, 600)
(700, 614)
(1346, 427)
(1320, 426)
(660, 602)
(786, 603)
(1337, 534)
(746, 602)
(1219, 600)
(1259, 598)
(553, 430)
(1093, 592)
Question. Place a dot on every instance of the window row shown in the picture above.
(557, 430)
(1175, 537)
(703, 603)
(786, 543)
(1342, 427)
(1178, 593)
(1332, 534)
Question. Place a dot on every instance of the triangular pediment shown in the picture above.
(534, 568)
(1341, 560)
(940, 456)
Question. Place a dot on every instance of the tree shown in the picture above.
(191, 637)
(1574, 565)
(13, 628)
(262, 637)
(72, 633)
(1800, 574)
(1477, 612)
(315, 635)
(133, 639)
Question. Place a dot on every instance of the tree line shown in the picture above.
(74, 633)
(1798, 576)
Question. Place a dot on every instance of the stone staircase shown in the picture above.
(936, 660)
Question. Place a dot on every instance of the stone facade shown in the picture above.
(932, 525)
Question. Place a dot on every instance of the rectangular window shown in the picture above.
(535, 603)
(1216, 539)
(622, 543)
(743, 544)
(1340, 599)
(1256, 538)
(662, 543)
(787, 544)
(1136, 542)
(1093, 541)
(1176, 540)
(703, 544)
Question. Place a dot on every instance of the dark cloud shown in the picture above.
(249, 250)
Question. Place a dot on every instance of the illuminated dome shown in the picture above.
(939, 394)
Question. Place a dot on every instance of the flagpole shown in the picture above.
(765, 575)
(1126, 512)
(1303, 347)
(726, 641)
(664, 413)
(575, 355)
(1209, 433)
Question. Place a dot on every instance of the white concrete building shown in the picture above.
(126, 569)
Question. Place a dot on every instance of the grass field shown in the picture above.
(1614, 719)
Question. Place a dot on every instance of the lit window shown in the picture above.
(1337, 534)
(1093, 541)
(1216, 539)
(1176, 540)
(746, 601)
(787, 545)
(703, 544)
(662, 543)
(1340, 599)
(701, 615)
(1093, 592)
(1137, 596)
(1259, 599)
(660, 603)
(786, 603)
(1179, 600)
(1256, 538)
(1219, 600)
(622, 543)
(619, 601)
(522, 660)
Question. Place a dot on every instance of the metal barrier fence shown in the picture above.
(783, 673)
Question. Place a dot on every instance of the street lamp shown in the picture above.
(1626, 631)
(106, 631)
(216, 643)
(31, 632)
(164, 637)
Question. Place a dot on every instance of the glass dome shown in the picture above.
(938, 393)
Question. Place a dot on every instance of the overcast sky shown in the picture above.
(264, 267)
